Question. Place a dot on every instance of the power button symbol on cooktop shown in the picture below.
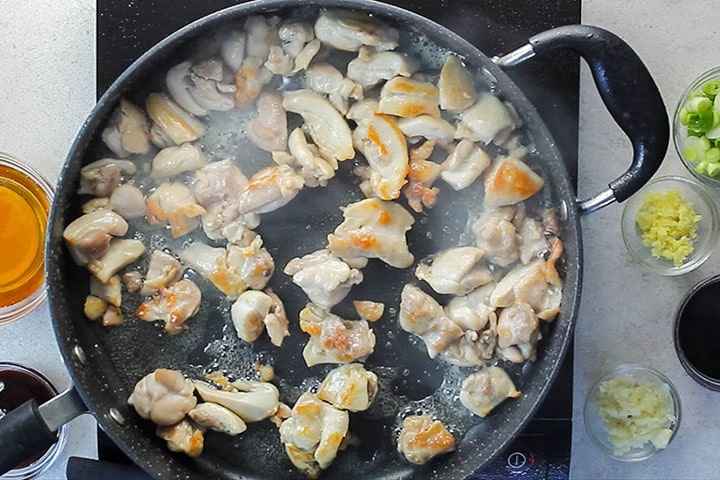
(516, 460)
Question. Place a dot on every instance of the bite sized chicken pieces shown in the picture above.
(232, 48)
(112, 317)
(325, 79)
(163, 270)
(509, 181)
(100, 177)
(208, 87)
(373, 228)
(473, 310)
(533, 243)
(406, 97)
(423, 438)
(428, 127)
(174, 305)
(294, 36)
(473, 348)
(128, 201)
(455, 271)
(268, 130)
(496, 234)
(517, 324)
(171, 121)
(315, 169)
(172, 161)
(455, 85)
(164, 397)
(349, 30)
(349, 387)
(251, 261)
(372, 67)
(215, 417)
(422, 174)
(110, 292)
(94, 307)
(487, 120)
(248, 313)
(313, 434)
(175, 204)
(250, 78)
(422, 315)
(185, 436)
(324, 278)
(482, 391)
(384, 147)
(368, 310)
(276, 322)
(96, 204)
(269, 189)
(334, 340)
(120, 253)
(89, 236)
(127, 131)
(464, 164)
(251, 401)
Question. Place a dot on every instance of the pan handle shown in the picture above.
(628, 91)
(30, 428)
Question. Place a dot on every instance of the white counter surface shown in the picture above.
(47, 90)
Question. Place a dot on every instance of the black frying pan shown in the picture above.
(105, 364)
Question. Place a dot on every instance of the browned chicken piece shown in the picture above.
(472, 311)
(164, 397)
(120, 253)
(89, 236)
(464, 164)
(174, 305)
(185, 436)
(127, 131)
(422, 174)
(473, 348)
(269, 189)
(218, 418)
(484, 390)
(533, 243)
(175, 204)
(112, 317)
(406, 97)
(455, 85)
(496, 234)
(368, 310)
(455, 271)
(349, 30)
(509, 181)
(276, 322)
(518, 327)
(268, 130)
(100, 177)
(248, 313)
(422, 315)
(349, 387)
(171, 121)
(163, 271)
(423, 438)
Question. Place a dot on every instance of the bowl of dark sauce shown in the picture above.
(697, 333)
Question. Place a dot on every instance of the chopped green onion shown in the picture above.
(701, 168)
(711, 88)
(712, 155)
(713, 169)
(701, 121)
(699, 104)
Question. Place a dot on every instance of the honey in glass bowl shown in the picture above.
(24, 206)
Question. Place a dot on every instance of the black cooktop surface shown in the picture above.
(125, 30)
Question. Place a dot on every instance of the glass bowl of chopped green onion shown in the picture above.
(632, 412)
(670, 226)
(696, 127)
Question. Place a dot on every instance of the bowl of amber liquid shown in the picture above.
(25, 197)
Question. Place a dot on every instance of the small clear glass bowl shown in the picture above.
(707, 228)
(680, 132)
(596, 428)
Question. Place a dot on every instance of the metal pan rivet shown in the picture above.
(563, 210)
(117, 416)
(79, 354)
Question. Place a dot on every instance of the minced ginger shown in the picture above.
(668, 224)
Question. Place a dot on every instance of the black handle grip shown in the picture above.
(23, 434)
(629, 92)
(87, 469)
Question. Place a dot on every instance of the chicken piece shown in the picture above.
(488, 120)
(269, 189)
(327, 127)
(268, 130)
(112, 317)
(128, 201)
(175, 204)
(278, 61)
(473, 310)
(100, 177)
(313, 434)
(334, 340)
(206, 84)
(164, 397)
(172, 161)
(251, 401)
(373, 228)
(517, 324)
(473, 348)
(120, 253)
(363, 110)
(94, 307)
(97, 204)
(232, 48)
(276, 322)
(455, 271)
(178, 84)
(371, 67)
(294, 36)
(484, 390)
(325, 79)
(89, 236)
(423, 438)
(349, 387)
(536, 284)
(405, 97)
(314, 168)
(110, 292)
(184, 436)
(421, 315)
(163, 271)
(172, 121)
(250, 78)
(218, 418)
(509, 181)
(496, 234)
(464, 164)
(349, 30)
(252, 262)
(368, 310)
(533, 243)
(248, 313)
(262, 33)
(133, 281)
(324, 278)
(127, 131)
(174, 305)
(422, 174)
(384, 147)
(455, 85)
(428, 127)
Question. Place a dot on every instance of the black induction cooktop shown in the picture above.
(127, 29)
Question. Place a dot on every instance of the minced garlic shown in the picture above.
(635, 412)
(668, 224)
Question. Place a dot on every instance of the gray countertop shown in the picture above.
(47, 90)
